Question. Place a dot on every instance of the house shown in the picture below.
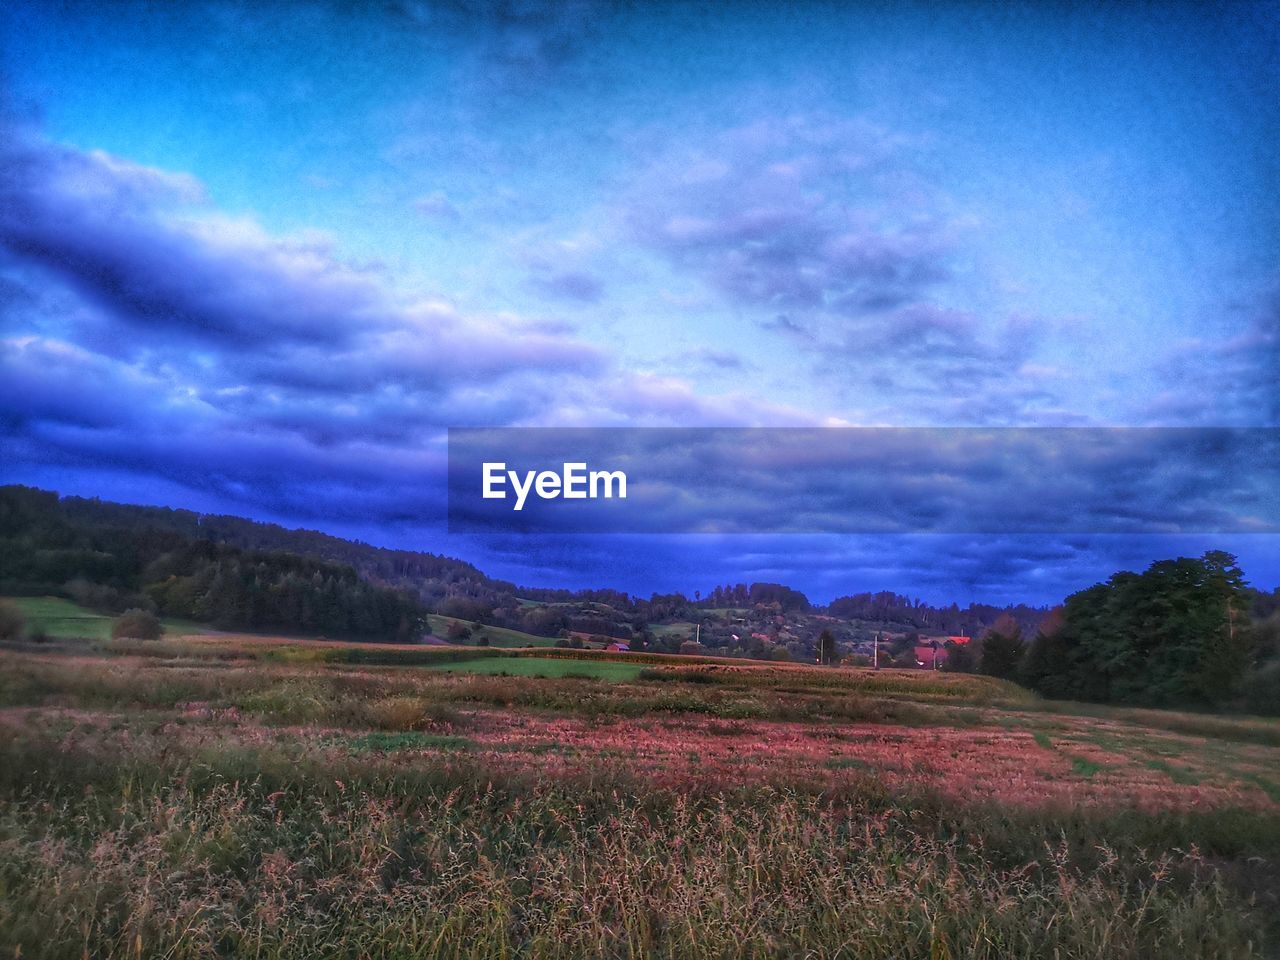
(930, 657)
(619, 647)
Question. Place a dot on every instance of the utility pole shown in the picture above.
(875, 652)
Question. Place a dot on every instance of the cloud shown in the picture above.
(796, 214)
(819, 230)
(571, 285)
(151, 334)
(719, 359)
(514, 44)
(144, 245)
(437, 206)
(937, 568)
(796, 480)
(1224, 379)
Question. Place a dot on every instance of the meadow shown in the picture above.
(238, 796)
(60, 618)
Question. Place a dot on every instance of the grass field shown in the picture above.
(498, 636)
(219, 796)
(547, 667)
(61, 618)
(679, 628)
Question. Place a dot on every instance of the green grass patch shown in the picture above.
(388, 742)
(1043, 740)
(545, 667)
(500, 637)
(680, 627)
(1176, 774)
(847, 763)
(1084, 767)
(1269, 787)
(65, 620)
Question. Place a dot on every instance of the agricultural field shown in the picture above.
(234, 795)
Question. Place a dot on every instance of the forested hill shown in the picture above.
(429, 576)
(111, 557)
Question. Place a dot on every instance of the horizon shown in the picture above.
(255, 262)
(687, 591)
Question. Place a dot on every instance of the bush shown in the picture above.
(96, 596)
(11, 621)
(137, 625)
(1261, 689)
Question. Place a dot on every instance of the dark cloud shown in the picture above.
(133, 241)
(720, 359)
(570, 285)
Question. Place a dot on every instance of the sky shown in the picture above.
(257, 259)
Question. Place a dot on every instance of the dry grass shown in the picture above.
(183, 805)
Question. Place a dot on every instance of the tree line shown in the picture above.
(1185, 632)
(113, 568)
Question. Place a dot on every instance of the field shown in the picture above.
(498, 636)
(219, 796)
(62, 618)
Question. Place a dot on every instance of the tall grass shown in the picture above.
(155, 819)
(261, 854)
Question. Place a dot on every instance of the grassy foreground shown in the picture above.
(211, 797)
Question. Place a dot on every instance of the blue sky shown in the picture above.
(256, 261)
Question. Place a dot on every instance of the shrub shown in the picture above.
(96, 596)
(11, 621)
(1261, 689)
(137, 625)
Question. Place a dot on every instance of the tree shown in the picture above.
(11, 621)
(1002, 648)
(1178, 633)
(959, 659)
(137, 625)
(826, 648)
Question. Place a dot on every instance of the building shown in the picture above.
(930, 657)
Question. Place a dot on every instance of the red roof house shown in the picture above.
(928, 657)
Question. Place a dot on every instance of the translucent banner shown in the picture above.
(864, 480)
